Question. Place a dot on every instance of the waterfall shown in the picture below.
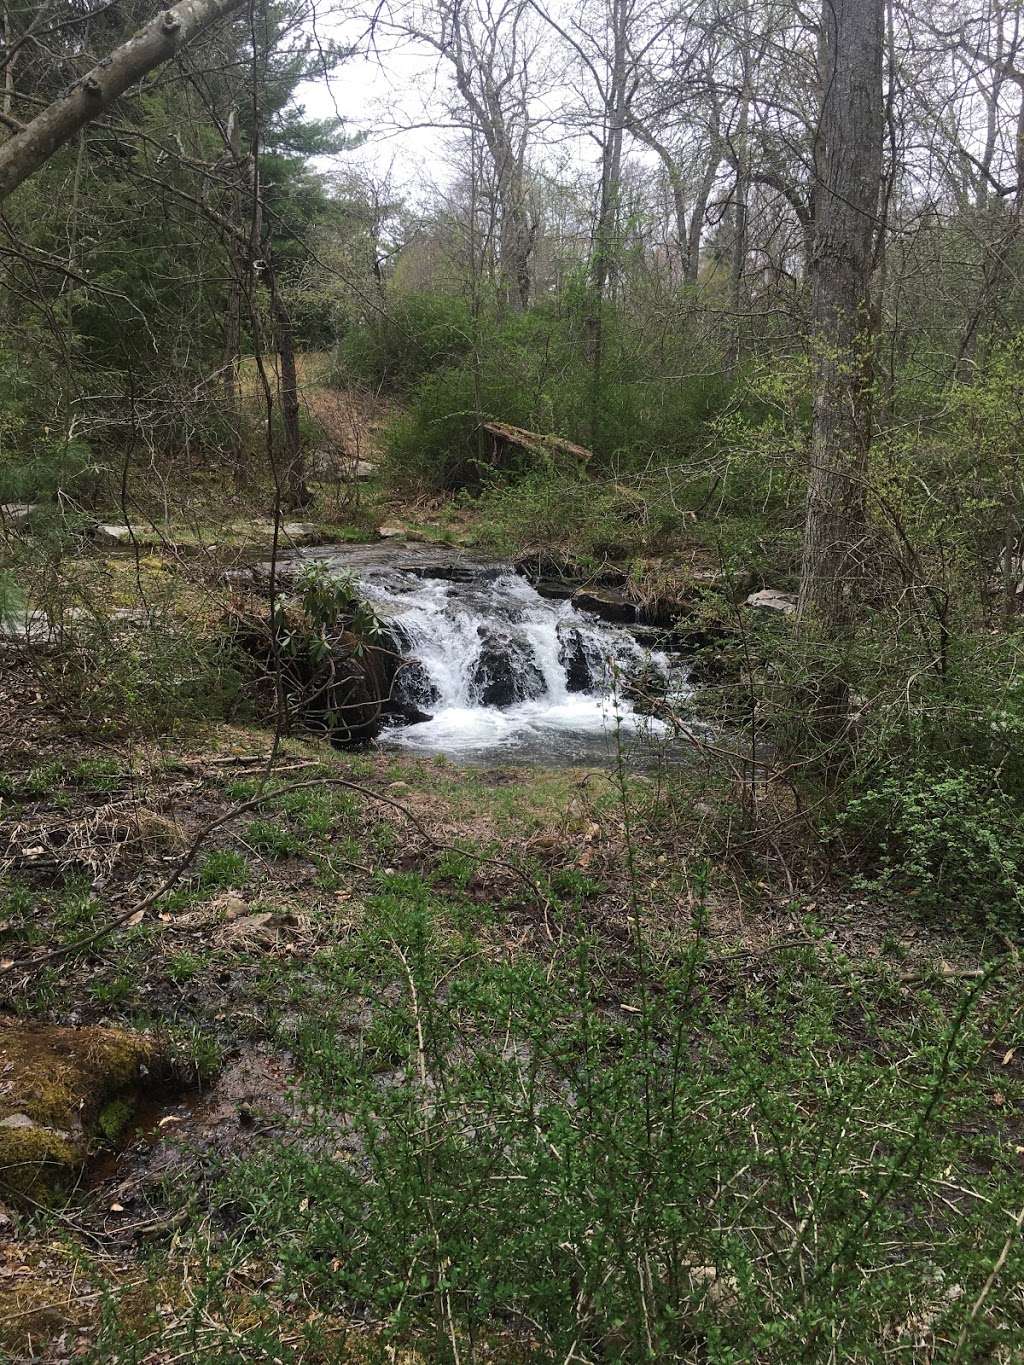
(496, 666)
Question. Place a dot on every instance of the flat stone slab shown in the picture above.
(35, 628)
(420, 558)
(772, 599)
(18, 514)
(293, 532)
(328, 464)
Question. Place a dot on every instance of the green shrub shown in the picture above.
(551, 509)
(416, 334)
(147, 680)
(530, 370)
(952, 839)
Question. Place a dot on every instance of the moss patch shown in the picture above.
(58, 1087)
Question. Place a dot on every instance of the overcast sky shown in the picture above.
(389, 96)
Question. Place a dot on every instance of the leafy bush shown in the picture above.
(417, 333)
(952, 839)
(723, 1173)
(146, 680)
(549, 509)
(529, 369)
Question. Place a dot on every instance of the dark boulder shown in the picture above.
(505, 672)
(411, 693)
(572, 655)
(608, 603)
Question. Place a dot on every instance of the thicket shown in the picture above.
(455, 370)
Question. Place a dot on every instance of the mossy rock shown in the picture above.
(60, 1089)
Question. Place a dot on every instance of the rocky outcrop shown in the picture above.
(572, 655)
(772, 599)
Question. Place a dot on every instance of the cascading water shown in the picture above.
(499, 669)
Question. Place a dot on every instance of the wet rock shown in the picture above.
(608, 603)
(646, 687)
(413, 691)
(505, 672)
(61, 1089)
(572, 655)
(552, 570)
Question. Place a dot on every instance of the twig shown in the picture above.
(987, 1287)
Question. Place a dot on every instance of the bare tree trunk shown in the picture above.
(741, 210)
(33, 145)
(849, 171)
(700, 211)
(608, 207)
(296, 491)
(688, 229)
(516, 244)
(8, 97)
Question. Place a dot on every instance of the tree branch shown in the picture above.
(31, 147)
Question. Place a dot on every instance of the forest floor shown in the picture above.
(279, 960)
(440, 1041)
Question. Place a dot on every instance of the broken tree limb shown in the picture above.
(505, 437)
(33, 145)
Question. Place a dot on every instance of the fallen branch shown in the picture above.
(533, 443)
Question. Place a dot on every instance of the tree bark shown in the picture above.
(296, 491)
(849, 175)
(700, 210)
(23, 153)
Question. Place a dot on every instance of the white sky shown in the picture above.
(385, 96)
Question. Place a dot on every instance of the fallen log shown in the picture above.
(505, 437)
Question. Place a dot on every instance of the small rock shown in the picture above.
(722, 1290)
(772, 599)
(18, 1121)
(357, 469)
(111, 533)
(300, 532)
(334, 464)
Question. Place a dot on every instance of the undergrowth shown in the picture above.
(628, 1156)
